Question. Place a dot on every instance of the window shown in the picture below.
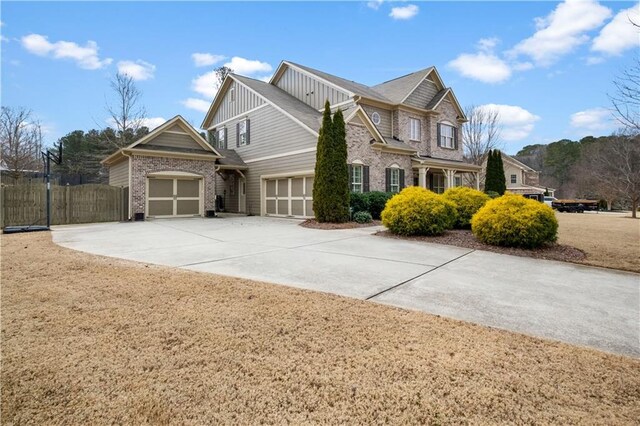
(356, 178)
(514, 179)
(395, 180)
(232, 94)
(457, 181)
(437, 184)
(221, 139)
(375, 117)
(242, 133)
(447, 136)
(414, 131)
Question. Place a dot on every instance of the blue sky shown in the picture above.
(546, 66)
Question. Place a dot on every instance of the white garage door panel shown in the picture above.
(172, 197)
(289, 197)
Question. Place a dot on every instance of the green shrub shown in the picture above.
(417, 211)
(492, 194)
(377, 201)
(468, 201)
(359, 202)
(362, 217)
(515, 221)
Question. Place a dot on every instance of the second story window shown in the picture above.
(221, 138)
(232, 94)
(242, 137)
(514, 179)
(447, 136)
(414, 129)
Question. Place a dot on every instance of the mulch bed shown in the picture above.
(464, 238)
(312, 223)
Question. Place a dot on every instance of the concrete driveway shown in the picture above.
(576, 304)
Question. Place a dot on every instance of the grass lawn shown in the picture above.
(90, 340)
(609, 239)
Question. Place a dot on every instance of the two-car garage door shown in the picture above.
(171, 197)
(289, 196)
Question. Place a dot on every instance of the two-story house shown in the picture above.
(262, 144)
(521, 179)
(400, 132)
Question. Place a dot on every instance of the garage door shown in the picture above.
(173, 197)
(289, 197)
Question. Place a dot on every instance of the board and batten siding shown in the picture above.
(175, 140)
(270, 133)
(385, 119)
(309, 90)
(423, 94)
(289, 164)
(244, 100)
(119, 173)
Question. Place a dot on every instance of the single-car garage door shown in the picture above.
(289, 197)
(172, 197)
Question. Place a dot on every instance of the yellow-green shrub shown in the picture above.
(417, 211)
(468, 201)
(515, 221)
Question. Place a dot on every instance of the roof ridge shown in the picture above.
(404, 76)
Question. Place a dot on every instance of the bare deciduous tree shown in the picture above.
(21, 141)
(626, 100)
(127, 113)
(613, 168)
(481, 133)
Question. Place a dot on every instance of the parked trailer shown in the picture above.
(575, 206)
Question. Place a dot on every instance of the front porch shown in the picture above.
(438, 174)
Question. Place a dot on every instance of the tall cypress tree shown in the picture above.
(322, 179)
(501, 181)
(340, 186)
(489, 173)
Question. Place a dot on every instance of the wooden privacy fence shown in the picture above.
(27, 204)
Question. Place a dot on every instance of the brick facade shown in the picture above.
(142, 166)
(359, 148)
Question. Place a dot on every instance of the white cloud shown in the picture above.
(404, 12)
(138, 70)
(197, 104)
(517, 123)
(206, 59)
(85, 56)
(619, 34)
(206, 84)
(592, 120)
(562, 30)
(247, 66)
(521, 66)
(150, 122)
(374, 4)
(481, 66)
(594, 60)
(488, 44)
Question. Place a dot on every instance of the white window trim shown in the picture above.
(241, 133)
(220, 142)
(514, 177)
(394, 175)
(375, 118)
(419, 129)
(443, 125)
(357, 184)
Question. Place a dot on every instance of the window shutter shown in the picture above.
(365, 178)
(224, 142)
(350, 177)
(247, 130)
(387, 180)
(438, 127)
(455, 138)
(431, 182)
(238, 134)
(401, 179)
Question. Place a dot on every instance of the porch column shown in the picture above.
(422, 177)
(477, 180)
(450, 181)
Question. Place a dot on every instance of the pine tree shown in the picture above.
(322, 179)
(501, 182)
(340, 187)
(489, 174)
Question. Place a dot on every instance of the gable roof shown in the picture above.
(142, 143)
(349, 86)
(517, 163)
(398, 89)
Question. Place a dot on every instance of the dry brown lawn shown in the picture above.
(609, 240)
(93, 340)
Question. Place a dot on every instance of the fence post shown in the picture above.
(67, 205)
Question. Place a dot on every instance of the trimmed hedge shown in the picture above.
(418, 211)
(515, 221)
(468, 201)
(362, 217)
(372, 202)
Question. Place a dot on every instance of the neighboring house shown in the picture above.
(169, 172)
(401, 132)
(520, 178)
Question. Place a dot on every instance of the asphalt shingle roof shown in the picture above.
(230, 158)
(397, 89)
